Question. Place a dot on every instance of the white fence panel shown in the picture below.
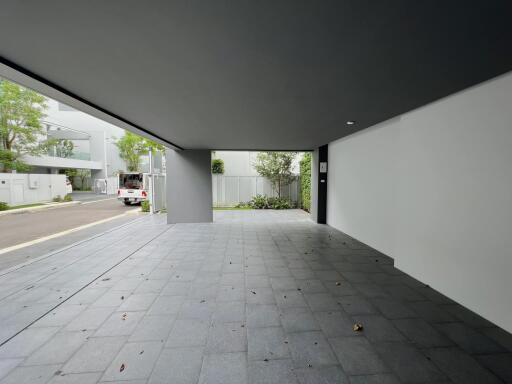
(159, 197)
(231, 190)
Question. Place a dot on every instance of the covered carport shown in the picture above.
(406, 107)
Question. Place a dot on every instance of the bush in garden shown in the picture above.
(145, 206)
(279, 203)
(57, 199)
(3, 206)
(218, 166)
(259, 202)
(264, 202)
(67, 198)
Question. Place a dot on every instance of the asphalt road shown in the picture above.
(23, 227)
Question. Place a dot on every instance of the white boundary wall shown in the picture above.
(433, 189)
(24, 188)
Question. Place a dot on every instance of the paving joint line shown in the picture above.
(85, 286)
(52, 253)
(53, 272)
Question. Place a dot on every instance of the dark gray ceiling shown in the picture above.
(276, 74)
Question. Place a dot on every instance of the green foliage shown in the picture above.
(9, 161)
(259, 202)
(67, 198)
(305, 181)
(132, 147)
(276, 167)
(241, 205)
(218, 166)
(21, 132)
(81, 174)
(57, 199)
(64, 148)
(264, 202)
(145, 206)
(3, 206)
(279, 203)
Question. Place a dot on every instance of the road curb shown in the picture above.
(39, 207)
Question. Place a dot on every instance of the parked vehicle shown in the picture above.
(69, 186)
(133, 187)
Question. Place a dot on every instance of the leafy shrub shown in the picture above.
(264, 202)
(145, 206)
(68, 197)
(259, 202)
(279, 203)
(3, 206)
(57, 199)
(305, 181)
(218, 166)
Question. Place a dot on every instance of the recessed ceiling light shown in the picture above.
(351, 122)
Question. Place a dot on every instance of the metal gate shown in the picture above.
(158, 193)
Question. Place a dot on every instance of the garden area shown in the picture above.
(268, 180)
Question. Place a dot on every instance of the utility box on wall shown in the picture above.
(33, 181)
(5, 190)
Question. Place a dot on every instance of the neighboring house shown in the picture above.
(240, 163)
(93, 144)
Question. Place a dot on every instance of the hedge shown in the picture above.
(305, 181)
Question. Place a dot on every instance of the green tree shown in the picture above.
(305, 181)
(21, 132)
(217, 166)
(132, 147)
(82, 174)
(64, 148)
(276, 167)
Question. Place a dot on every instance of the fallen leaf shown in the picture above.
(338, 283)
(357, 327)
(122, 368)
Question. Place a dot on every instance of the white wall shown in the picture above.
(433, 189)
(24, 188)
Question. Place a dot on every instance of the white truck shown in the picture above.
(133, 187)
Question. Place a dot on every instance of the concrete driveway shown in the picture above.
(255, 297)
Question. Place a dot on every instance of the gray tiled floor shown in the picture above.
(256, 297)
